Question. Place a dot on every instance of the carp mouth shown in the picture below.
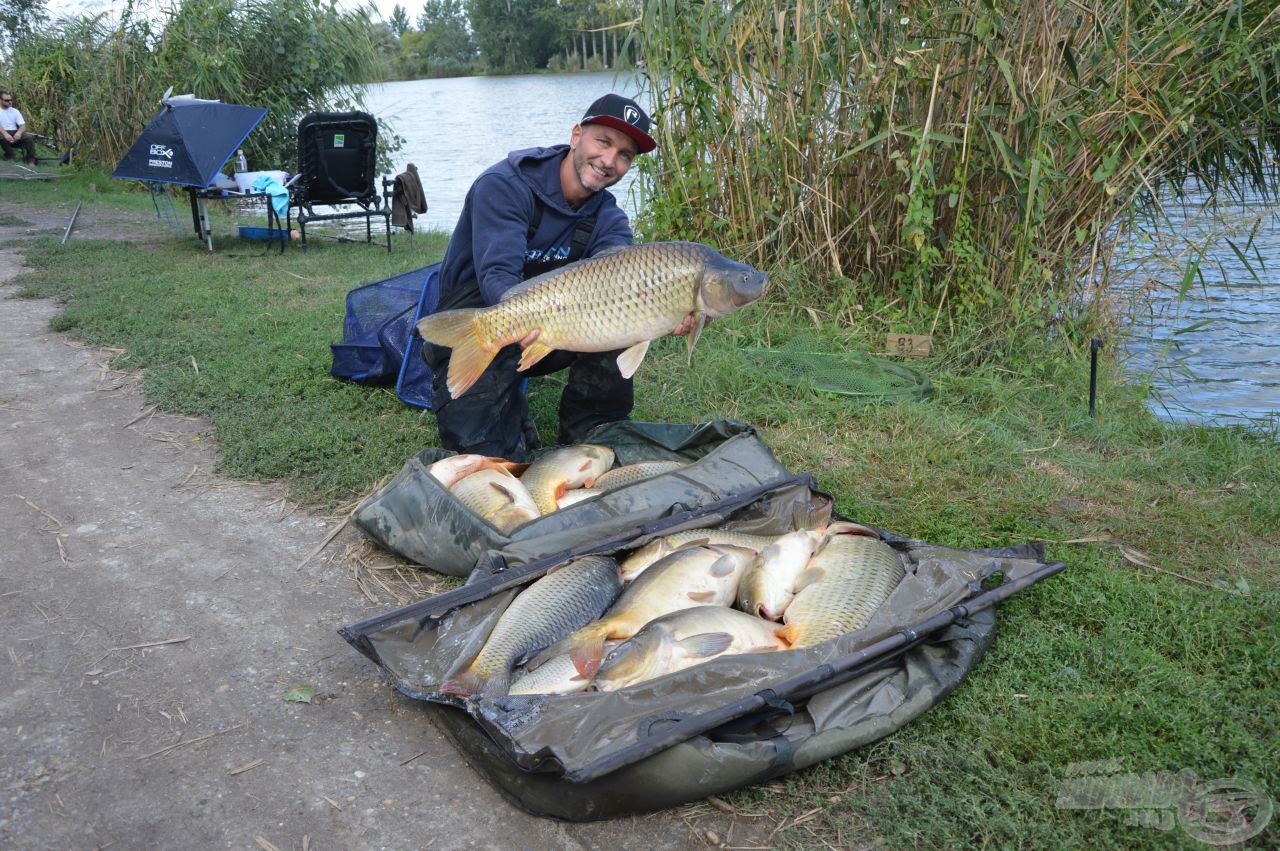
(727, 286)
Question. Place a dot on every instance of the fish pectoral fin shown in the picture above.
(536, 351)
(704, 644)
(702, 596)
(629, 361)
(808, 576)
(586, 657)
(723, 566)
(696, 333)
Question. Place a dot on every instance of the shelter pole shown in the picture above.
(1094, 345)
(71, 223)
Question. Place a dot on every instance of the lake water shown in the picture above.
(1213, 355)
(455, 128)
(1225, 370)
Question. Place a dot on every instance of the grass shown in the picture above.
(1110, 660)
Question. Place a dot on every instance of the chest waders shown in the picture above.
(492, 417)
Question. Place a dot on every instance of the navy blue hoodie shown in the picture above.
(490, 243)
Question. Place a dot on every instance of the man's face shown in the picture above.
(601, 155)
(6, 100)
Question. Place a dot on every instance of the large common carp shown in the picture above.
(694, 576)
(568, 467)
(496, 496)
(620, 299)
(569, 596)
(844, 585)
(680, 640)
(770, 583)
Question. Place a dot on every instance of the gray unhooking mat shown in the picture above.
(730, 722)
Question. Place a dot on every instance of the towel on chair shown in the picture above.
(407, 198)
(279, 195)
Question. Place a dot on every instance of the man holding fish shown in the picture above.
(509, 310)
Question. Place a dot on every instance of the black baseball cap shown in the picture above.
(622, 114)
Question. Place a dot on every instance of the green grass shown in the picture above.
(1107, 661)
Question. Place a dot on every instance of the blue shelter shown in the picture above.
(188, 142)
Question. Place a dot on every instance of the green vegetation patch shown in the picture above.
(1117, 659)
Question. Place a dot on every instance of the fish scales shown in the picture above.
(550, 609)
(848, 557)
(621, 299)
(641, 559)
(610, 304)
(629, 474)
(845, 584)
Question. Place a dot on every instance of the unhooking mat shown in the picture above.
(730, 722)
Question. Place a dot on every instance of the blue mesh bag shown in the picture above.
(413, 385)
(378, 329)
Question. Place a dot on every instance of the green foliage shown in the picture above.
(18, 18)
(514, 35)
(290, 56)
(974, 162)
(399, 21)
(1107, 661)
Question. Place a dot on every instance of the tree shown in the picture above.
(515, 35)
(446, 36)
(399, 22)
(18, 18)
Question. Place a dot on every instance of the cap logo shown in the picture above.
(631, 114)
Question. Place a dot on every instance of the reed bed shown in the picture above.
(968, 160)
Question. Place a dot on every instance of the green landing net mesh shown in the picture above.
(805, 364)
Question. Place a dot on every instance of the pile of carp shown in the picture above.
(595, 622)
(508, 494)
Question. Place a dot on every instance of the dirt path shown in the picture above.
(154, 619)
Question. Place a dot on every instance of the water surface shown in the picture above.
(455, 128)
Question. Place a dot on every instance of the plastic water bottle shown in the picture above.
(242, 165)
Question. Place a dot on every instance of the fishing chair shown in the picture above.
(337, 164)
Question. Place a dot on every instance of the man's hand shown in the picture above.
(688, 325)
(529, 338)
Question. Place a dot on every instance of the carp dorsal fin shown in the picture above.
(704, 644)
(630, 360)
(695, 334)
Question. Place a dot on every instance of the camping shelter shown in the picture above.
(187, 143)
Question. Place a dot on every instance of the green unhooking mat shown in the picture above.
(732, 721)
(416, 517)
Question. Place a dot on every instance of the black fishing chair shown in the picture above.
(337, 164)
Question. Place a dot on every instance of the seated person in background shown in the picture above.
(13, 130)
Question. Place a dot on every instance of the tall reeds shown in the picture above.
(96, 83)
(970, 157)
